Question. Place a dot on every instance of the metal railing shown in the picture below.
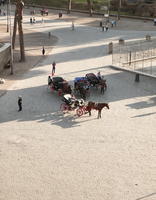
(137, 56)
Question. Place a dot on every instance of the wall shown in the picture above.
(5, 54)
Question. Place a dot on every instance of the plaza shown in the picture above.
(47, 155)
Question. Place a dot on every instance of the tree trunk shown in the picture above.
(20, 6)
(90, 7)
(21, 40)
(14, 30)
(69, 6)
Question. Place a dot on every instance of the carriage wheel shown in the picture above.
(64, 107)
(79, 112)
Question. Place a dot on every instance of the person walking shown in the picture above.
(73, 26)
(53, 68)
(106, 27)
(43, 51)
(20, 103)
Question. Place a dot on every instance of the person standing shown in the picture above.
(43, 51)
(73, 26)
(34, 20)
(30, 20)
(106, 28)
(99, 75)
(49, 35)
(20, 103)
(53, 68)
(102, 88)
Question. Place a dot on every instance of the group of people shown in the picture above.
(2, 2)
(2, 12)
(32, 20)
(106, 26)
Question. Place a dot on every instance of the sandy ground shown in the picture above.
(45, 154)
(34, 41)
(33, 47)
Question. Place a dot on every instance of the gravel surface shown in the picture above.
(45, 154)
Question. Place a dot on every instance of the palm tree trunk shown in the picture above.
(14, 30)
(90, 7)
(20, 29)
(21, 40)
(69, 6)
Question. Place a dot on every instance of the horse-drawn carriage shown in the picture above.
(59, 84)
(44, 11)
(71, 104)
(32, 12)
(81, 87)
(96, 81)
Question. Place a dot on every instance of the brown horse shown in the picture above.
(97, 106)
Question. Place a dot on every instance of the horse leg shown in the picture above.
(100, 113)
(89, 111)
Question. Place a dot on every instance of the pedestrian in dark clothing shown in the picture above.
(49, 34)
(102, 88)
(60, 14)
(53, 68)
(30, 20)
(20, 103)
(106, 27)
(43, 51)
(49, 80)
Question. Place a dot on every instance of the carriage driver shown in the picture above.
(99, 75)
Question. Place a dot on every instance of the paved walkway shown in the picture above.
(47, 155)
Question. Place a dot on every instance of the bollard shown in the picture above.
(110, 48)
(137, 78)
(121, 41)
(148, 37)
(60, 14)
